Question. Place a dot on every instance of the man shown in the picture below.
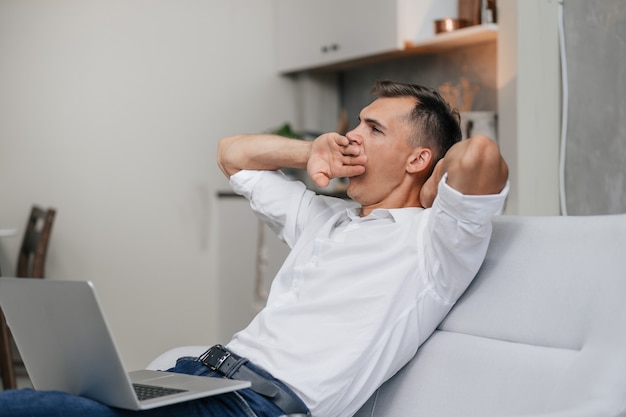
(365, 284)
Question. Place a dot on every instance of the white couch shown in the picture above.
(540, 332)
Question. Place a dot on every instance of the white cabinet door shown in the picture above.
(316, 33)
(322, 32)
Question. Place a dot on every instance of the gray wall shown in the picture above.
(595, 168)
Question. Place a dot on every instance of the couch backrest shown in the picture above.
(542, 328)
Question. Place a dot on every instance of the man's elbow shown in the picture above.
(225, 156)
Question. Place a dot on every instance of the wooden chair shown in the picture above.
(30, 264)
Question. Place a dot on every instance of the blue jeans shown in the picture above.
(243, 403)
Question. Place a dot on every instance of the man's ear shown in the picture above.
(419, 160)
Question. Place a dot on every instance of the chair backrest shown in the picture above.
(32, 257)
(30, 264)
(542, 329)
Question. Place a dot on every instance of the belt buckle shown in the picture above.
(215, 357)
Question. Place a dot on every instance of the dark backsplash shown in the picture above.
(475, 63)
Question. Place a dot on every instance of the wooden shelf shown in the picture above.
(469, 36)
(459, 38)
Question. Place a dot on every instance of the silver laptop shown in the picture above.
(65, 343)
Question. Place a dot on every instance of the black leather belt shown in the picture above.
(220, 359)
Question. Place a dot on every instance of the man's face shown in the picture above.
(383, 135)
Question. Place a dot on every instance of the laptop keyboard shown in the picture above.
(146, 392)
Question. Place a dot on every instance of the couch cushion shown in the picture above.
(541, 328)
(464, 375)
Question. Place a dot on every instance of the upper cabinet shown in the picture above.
(322, 33)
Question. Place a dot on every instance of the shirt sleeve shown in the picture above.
(476, 208)
(274, 198)
(284, 204)
(457, 237)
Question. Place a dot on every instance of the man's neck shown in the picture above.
(392, 202)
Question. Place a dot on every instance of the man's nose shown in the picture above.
(354, 137)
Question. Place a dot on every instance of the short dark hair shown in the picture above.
(436, 124)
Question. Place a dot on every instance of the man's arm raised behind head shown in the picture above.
(329, 156)
(263, 152)
(474, 167)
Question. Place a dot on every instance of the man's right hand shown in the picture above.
(334, 156)
(329, 156)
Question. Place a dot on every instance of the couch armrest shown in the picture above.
(168, 359)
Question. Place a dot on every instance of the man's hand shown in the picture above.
(333, 156)
(329, 156)
(474, 167)
(429, 189)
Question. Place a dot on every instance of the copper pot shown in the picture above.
(448, 24)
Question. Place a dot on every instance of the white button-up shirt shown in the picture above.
(357, 296)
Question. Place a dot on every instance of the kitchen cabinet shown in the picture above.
(317, 33)
(336, 35)
(314, 33)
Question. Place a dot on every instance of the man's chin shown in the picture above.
(353, 186)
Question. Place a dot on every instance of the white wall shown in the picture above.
(110, 111)
(529, 94)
